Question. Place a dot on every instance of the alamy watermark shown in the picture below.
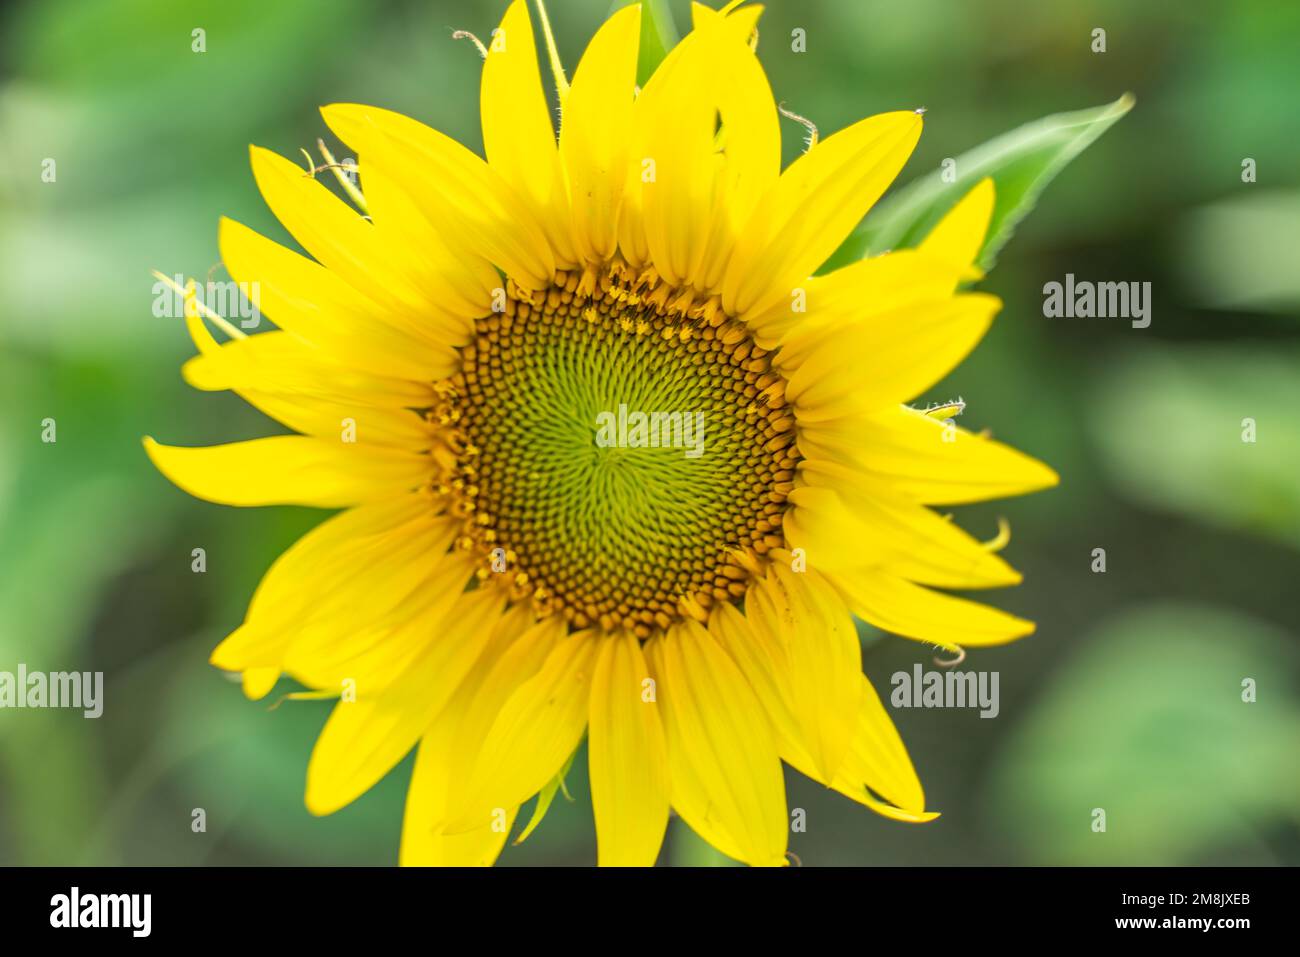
(651, 430)
(53, 689)
(74, 909)
(946, 689)
(1100, 300)
(233, 300)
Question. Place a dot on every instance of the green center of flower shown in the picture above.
(620, 450)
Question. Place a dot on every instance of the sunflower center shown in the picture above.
(623, 450)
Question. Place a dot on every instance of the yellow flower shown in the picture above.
(503, 578)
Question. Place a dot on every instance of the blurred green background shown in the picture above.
(1129, 696)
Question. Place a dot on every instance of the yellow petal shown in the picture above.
(533, 734)
(518, 137)
(697, 200)
(310, 302)
(320, 565)
(885, 359)
(823, 658)
(761, 658)
(815, 204)
(929, 461)
(723, 769)
(291, 470)
(455, 278)
(422, 845)
(436, 776)
(845, 523)
(959, 236)
(279, 362)
(900, 607)
(595, 132)
(849, 295)
(751, 147)
(258, 682)
(889, 810)
(365, 425)
(884, 283)
(451, 185)
(325, 410)
(627, 763)
(364, 738)
(518, 662)
(876, 758)
(675, 121)
(371, 641)
(741, 22)
(879, 760)
(330, 230)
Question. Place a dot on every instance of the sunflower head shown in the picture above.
(613, 461)
(666, 510)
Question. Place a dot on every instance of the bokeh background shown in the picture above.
(1129, 696)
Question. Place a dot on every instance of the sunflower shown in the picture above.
(499, 583)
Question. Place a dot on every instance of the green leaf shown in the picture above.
(1021, 162)
(658, 35)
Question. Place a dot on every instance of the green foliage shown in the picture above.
(1244, 252)
(1173, 432)
(658, 36)
(1021, 162)
(1147, 723)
